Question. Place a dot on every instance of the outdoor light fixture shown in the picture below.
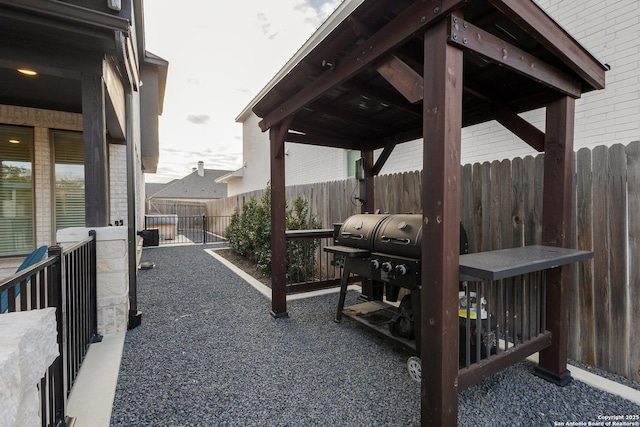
(27, 72)
(14, 141)
(330, 63)
(114, 5)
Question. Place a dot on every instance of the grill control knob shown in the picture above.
(375, 264)
(401, 269)
(387, 267)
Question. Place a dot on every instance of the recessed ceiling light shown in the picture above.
(14, 141)
(27, 72)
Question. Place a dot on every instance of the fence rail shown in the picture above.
(501, 207)
(173, 229)
(66, 280)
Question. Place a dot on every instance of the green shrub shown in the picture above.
(249, 235)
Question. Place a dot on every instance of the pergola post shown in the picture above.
(372, 290)
(442, 123)
(556, 231)
(277, 136)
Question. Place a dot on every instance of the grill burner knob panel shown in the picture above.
(401, 269)
(387, 267)
(375, 264)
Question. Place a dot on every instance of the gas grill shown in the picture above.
(386, 249)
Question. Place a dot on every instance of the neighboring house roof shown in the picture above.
(236, 174)
(192, 186)
(152, 188)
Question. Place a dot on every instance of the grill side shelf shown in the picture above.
(503, 263)
(348, 251)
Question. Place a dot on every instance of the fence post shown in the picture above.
(204, 229)
(93, 292)
(55, 300)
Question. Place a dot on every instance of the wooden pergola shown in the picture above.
(399, 70)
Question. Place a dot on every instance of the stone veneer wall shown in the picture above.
(28, 346)
(112, 265)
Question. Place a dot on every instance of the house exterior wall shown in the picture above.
(42, 122)
(118, 183)
(304, 164)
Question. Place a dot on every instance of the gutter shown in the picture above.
(70, 13)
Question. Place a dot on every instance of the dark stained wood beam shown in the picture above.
(301, 71)
(524, 130)
(416, 17)
(546, 31)
(326, 141)
(509, 119)
(359, 29)
(278, 226)
(388, 97)
(442, 105)
(479, 371)
(474, 39)
(556, 231)
(384, 156)
(331, 110)
(369, 203)
(402, 77)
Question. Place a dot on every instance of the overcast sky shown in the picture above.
(221, 54)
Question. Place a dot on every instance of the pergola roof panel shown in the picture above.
(338, 86)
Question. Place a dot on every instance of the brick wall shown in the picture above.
(118, 183)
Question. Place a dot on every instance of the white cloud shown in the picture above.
(220, 55)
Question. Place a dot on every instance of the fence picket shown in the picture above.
(633, 188)
(601, 257)
(584, 345)
(617, 191)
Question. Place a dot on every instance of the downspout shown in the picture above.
(135, 316)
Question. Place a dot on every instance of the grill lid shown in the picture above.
(400, 235)
(359, 231)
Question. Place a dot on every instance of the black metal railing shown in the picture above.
(500, 315)
(309, 267)
(173, 229)
(66, 280)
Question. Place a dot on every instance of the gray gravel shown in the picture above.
(209, 354)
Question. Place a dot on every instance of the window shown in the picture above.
(68, 151)
(16, 190)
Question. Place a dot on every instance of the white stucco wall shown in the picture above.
(304, 164)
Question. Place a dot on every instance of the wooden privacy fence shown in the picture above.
(501, 207)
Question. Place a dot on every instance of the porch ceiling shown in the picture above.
(56, 39)
(361, 87)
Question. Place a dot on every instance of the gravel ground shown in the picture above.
(209, 354)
